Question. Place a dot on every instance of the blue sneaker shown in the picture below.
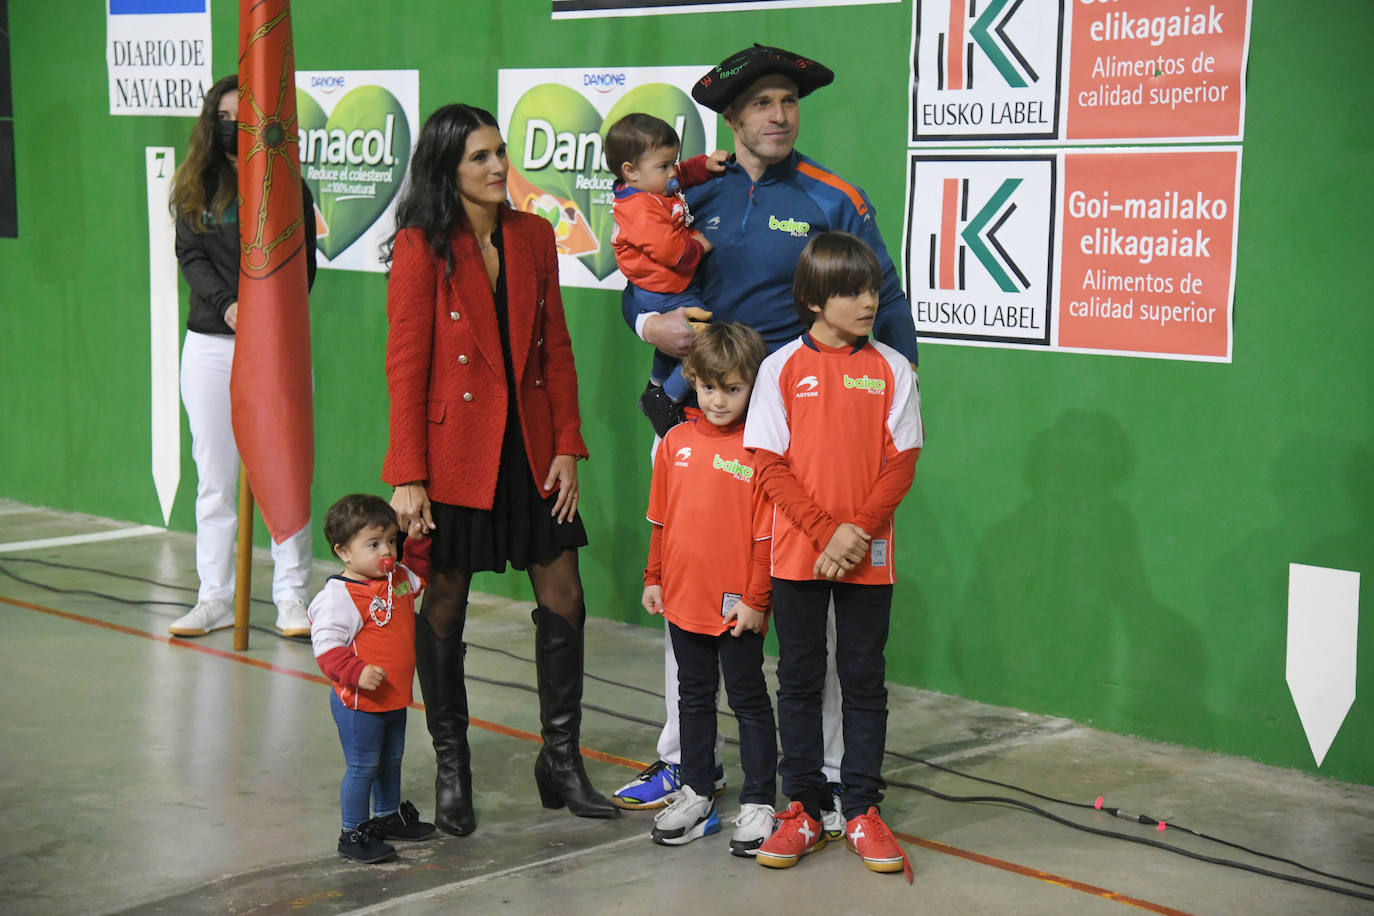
(656, 786)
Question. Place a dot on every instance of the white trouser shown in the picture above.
(206, 360)
(670, 743)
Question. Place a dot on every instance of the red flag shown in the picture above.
(271, 387)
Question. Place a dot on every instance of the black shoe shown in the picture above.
(663, 412)
(558, 771)
(404, 824)
(439, 665)
(365, 844)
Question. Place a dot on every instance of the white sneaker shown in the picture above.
(753, 825)
(205, 617)
(689, 816)
(833, 820)
(291, 618)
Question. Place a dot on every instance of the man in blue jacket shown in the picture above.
(759, 216)
(771, 200)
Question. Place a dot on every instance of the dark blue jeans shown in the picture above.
(373, 743)
(701, 660)
(634, 302)
(861, 623)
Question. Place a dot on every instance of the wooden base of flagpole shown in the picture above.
(243, 576)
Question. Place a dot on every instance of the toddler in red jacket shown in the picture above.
(655, 246)
(362, 628)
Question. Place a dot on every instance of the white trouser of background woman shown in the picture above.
(206, 361)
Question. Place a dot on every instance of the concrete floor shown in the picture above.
(143, 774)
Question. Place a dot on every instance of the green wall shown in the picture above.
(1096, 537)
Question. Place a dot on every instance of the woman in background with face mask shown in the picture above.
(205, 204)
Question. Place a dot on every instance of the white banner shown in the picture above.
(158, 56)
(164, 328)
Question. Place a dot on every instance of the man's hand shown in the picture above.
(672, 332)
(707, 248)
(697, 318)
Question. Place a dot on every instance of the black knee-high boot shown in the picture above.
(558, 663)
(439, 662)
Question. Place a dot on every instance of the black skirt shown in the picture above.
(519, 529)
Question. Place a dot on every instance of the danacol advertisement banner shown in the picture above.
(555, 122)
(357, 128)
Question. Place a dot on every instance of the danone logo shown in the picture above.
(864, 383)
(733, 468)
(353, 161)
(795, 227)
(556, 140)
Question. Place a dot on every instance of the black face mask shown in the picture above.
(227, 136)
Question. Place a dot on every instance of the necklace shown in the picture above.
(379, 605)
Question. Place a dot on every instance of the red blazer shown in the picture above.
(444, 369)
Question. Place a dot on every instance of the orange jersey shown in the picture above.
(652, 236)
(706, 498)
(352, 613)
(840, 418)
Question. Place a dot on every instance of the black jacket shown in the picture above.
(210, 262)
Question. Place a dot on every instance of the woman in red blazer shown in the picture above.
(485, 437)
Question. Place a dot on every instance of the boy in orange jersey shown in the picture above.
(835, 426)
(708, 575)
(655, 246)
(362, 628)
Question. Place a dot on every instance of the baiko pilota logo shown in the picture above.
(353, 160)
(557, 171)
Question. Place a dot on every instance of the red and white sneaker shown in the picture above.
(797, 834)
(868, 836)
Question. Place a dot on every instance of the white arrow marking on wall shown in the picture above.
(1323, 612)
(163, 325)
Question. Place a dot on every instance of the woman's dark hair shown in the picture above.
(833, 264)
(633, 136)
(430, 200)
(207, 182)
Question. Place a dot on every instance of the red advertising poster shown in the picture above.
(1121, 251)
(1149, 252)
(1033, 72)
(1145, 69)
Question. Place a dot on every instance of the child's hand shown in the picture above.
(846, 550)
(715, 163)
(653, 599)
(371, 678)
(746, 618)
(705, 244)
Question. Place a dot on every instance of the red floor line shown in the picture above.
(500, 729)
(1047, 877)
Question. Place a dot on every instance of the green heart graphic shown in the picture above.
(555, 148)
(353, 161)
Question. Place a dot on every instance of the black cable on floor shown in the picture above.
(1143, 841)
(1116, 812)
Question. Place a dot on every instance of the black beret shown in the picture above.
(718, 88)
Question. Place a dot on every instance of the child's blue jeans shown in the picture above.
(666, 370)
(373, 743)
